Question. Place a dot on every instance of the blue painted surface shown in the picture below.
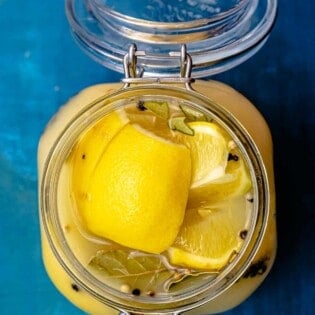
(41, 67)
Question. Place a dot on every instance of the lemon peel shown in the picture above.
(139, 190)
(89, 149)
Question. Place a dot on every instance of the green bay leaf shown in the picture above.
(146, 272)
(160, 109)
(179, 124)
(192, 114)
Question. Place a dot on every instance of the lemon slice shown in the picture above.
(139, 189)
(236, 181)
(209, 151)
(88, 151)
(210, 236)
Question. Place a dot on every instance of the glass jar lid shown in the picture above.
(219, 34)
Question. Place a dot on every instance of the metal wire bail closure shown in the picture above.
(134, 73)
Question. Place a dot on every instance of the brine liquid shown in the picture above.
(127, 270)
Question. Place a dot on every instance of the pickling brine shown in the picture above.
(157, 203)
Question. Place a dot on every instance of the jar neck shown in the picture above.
(217, 37)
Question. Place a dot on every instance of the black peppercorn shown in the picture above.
(136, 292)
(233, 157)
(243, 234)
(257, 268)
(141, 106)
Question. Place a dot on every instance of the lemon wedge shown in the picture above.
(209, 151)
(209, 236)
(216, 209)
(138, 192)
(236, 181)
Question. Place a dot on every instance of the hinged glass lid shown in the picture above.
(219, 34)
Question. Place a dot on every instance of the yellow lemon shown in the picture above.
(235, 181)
(209, 151)
(88, 151)
(210, 236)
(139, 189)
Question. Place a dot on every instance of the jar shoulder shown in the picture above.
(243, 110)
(237, 104)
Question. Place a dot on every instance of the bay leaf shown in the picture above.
(143, 271)
(160, 109)
(192, 114)
(179, 124)
(146, 272)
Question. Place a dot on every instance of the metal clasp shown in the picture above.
(135, 75)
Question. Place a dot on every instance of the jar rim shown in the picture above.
(49, 207)
(216, 44)
(183, 12)
(103, 10)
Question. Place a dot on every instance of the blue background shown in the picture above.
(41, 67)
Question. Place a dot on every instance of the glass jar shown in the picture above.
(150, 74)
(219, 34)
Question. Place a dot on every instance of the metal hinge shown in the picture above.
(134, 75)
